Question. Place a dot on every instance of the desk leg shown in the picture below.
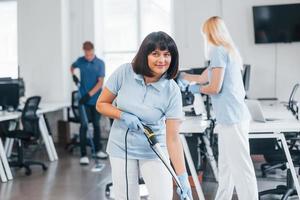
(9, 142)
(290, 162)
(10, 147)
(281, 137)
(53, 150)
(5, 162)
(2, 173)
(6, 146)
(192, 167)
(45, 135)
(211, 158)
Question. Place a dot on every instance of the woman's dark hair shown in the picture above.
(156, 40)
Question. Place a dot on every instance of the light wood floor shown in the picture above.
(67, 180)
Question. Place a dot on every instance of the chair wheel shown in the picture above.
(28, 172)
(70, 148)
(283, 167)
(44, 167)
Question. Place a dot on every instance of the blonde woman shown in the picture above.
(223, 82)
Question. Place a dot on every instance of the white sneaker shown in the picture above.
(102, 155)
(84, 160)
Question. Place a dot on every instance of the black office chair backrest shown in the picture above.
(292, 95)
(75, 108)
(75, 105)
(29, 116)
(246, 76)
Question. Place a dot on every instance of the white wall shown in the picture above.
(188, 16)
(275, 67)
(51, 33)
(43, 48)
(82, 25)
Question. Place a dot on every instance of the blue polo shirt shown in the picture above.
(152, 103)
(90, 72)
(229, 105)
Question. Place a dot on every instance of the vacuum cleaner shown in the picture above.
(98, 166)
(155, 146)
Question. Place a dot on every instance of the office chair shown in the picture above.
(29, 134)
(293, 104)
(74, 117)
(246, 77)
(287, 190)
(275, 157)
(291, 138)
(74, 108)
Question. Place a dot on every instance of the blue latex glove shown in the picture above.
(132, 121)
(194, 88)
(182, 83)
(75, 79)
(186, 188)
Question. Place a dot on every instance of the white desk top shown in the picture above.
(285, 121)
(193, 124)
(4, 115)
(52, 106)
(44, 108)
(276, 110)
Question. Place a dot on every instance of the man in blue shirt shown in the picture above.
(92, 72)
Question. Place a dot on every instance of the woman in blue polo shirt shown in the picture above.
(222, 80)
(145, 93)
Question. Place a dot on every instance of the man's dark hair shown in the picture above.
(156, 40)
(87, 45)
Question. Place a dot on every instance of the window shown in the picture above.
(126, 23)
(8, 39)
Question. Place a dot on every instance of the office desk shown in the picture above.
(46, 108)
(5, 172)
(285, 123)
(6, 151)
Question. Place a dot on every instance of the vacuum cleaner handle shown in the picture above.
(150, 135)
(81, 107)
(157, 149)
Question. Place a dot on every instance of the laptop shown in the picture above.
(257, 112)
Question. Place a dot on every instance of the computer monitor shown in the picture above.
(19, 81)
(9, 97)
(197, 70)
(5, 79)
(246, 76)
